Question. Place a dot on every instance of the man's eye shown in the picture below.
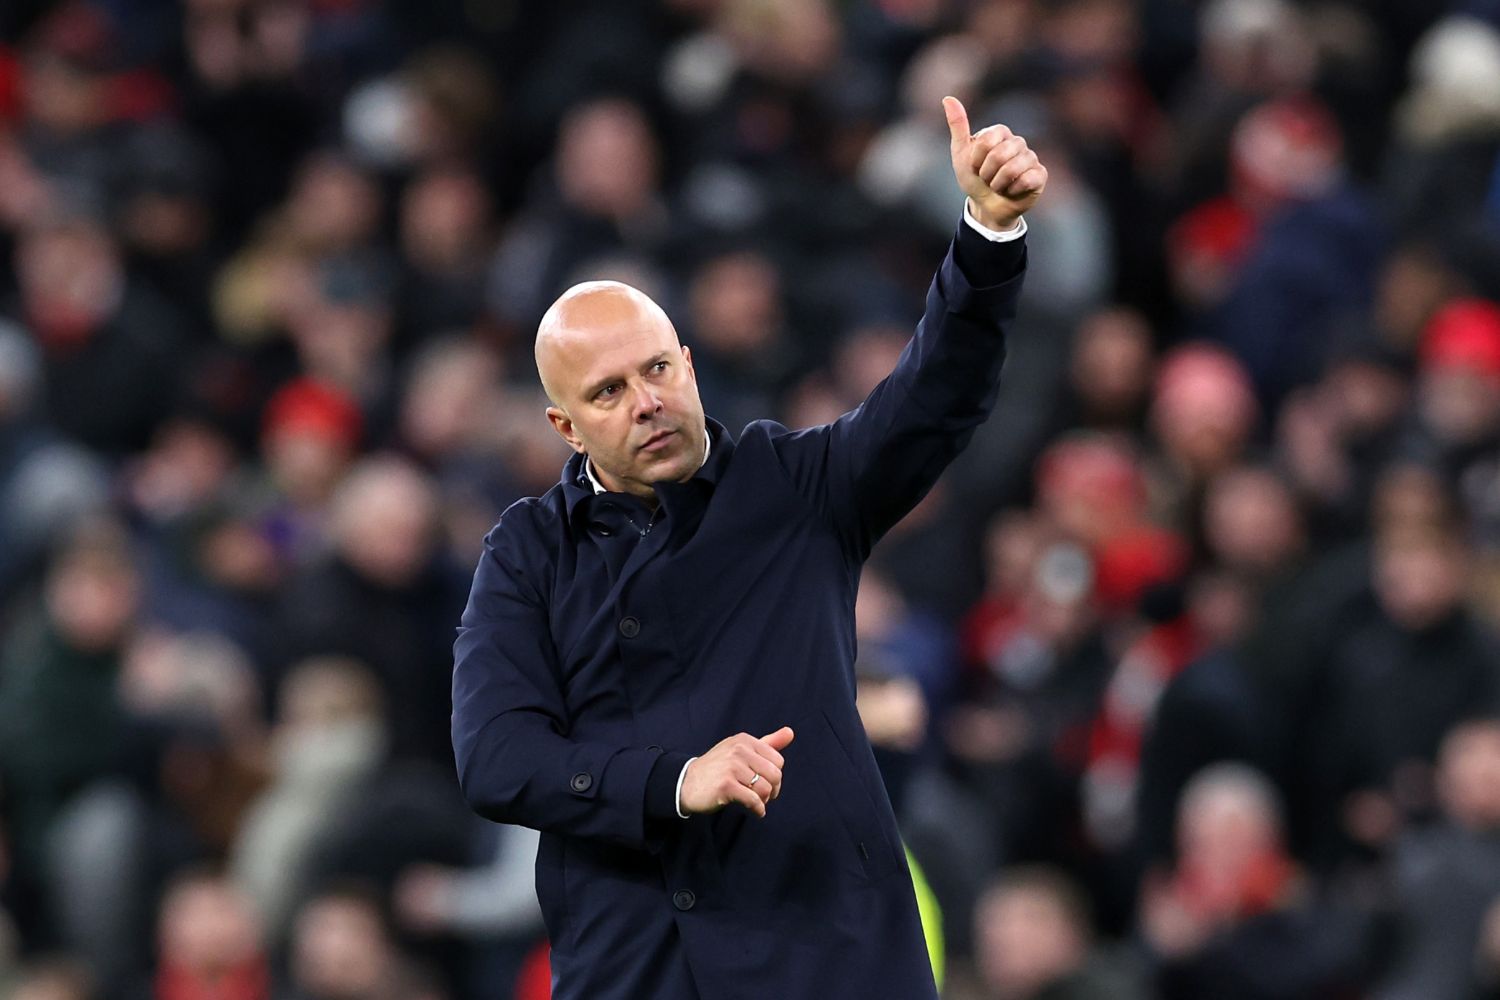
(609, 390)
(659, 367)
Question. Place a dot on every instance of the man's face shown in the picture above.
(623, 388)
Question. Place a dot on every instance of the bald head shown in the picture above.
(622, 386)
(584, 318)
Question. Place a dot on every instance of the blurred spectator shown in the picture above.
(1314, 257)
(109, 348)
(1203, 413)
(60, 719)
(1034, 941)
(1235, 917)
(1399, 674)
(1091, 489)
(330, 737)
(1110, 370)
(1446, 877)
(1447, 125)
(310, 433)
(45, 484)
(342, 949)
(741, 352)
(1035, 676)
(603, 197)
(191, 761)
(445, 239)
(382, 595)
(51, 979)
(209, 944)
(492, 906)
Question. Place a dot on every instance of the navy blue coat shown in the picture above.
(593, 660)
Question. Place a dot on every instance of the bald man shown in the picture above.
(655, 668)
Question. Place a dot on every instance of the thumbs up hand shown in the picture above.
(995, 168)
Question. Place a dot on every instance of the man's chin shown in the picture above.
(673, 467)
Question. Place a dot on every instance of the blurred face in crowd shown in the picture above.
(736, 303)
(1027, 937)
(443, 216)
(91, 598)
(1251, 521)
(70, 279)
(607, 159)
(1111, 363)
(1228, 828)
(333, 206)
(1469, 775)
(207, 927)
(340, 950)
(385, 521)
(1204, 410)
(1460, 404)
(1419, 575)
(623, 389)
(449, 385)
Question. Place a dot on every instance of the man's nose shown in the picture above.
(647, 403)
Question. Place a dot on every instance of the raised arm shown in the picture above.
(872, 465)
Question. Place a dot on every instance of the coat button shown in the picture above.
(653, 748)
(630, 627)
(582, 781)
(683, 900)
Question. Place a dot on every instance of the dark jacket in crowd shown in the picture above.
(594, 660)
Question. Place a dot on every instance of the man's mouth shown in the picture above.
(658, 441)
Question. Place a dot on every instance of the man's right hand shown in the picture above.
(725, 774)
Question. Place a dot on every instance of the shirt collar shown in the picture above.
(588, 466)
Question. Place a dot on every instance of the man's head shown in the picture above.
(1032, 929)
(622, 387)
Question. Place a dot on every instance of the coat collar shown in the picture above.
(576, 487)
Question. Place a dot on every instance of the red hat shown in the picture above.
(1219, 229)
(307, 406)
(1464, 334)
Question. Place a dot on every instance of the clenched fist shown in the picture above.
(727, 774)
(994, 167)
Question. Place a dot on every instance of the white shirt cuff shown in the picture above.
(995, 235)
(678, 800)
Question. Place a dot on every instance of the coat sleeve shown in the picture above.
(516, 760)
(867, 469)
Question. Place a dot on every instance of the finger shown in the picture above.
(769, 773)
(985, 142)
(762, 750)
(761, 787)
(998, 157)
(782, 738)
(958, 122)
(1030, 182)
(749, 798)
(1012, 169)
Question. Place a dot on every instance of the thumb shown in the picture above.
(780, 739)
(958, 122)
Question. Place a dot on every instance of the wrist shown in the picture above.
(997, 222)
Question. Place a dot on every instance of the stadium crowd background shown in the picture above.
(1184, 679)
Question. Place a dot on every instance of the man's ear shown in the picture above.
(687, 356)
(563, 424)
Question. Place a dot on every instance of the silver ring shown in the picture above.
(753, 781)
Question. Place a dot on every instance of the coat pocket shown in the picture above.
(848, 790)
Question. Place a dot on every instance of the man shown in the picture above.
(680, 592)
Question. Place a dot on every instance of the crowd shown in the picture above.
(1185, 681)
